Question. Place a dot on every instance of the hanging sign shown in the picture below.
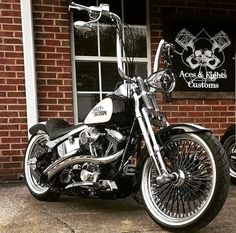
(206, 55)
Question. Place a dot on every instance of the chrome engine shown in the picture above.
(94, 147)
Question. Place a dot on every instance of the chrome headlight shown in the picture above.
(162, 80)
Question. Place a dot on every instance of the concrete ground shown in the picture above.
(21, 213)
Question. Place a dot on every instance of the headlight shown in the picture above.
(162, 80)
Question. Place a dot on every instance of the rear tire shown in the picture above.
(36, 146)
(190, 203)
(228, 141)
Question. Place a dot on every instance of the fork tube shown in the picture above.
(145, 132)
(153, 138)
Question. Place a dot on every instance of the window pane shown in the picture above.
(108, 40)
(140, 69)
(135, 41)
(87, 76)
(110, 76)
(86, 42)
(85, 103)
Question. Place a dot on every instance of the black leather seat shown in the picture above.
(57, 128)
(54, 128)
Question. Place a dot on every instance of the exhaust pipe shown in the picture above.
(69, 160)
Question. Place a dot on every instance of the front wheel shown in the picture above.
(199, 192)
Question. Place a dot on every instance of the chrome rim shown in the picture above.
(181, 202)
(230, 147)
(35, 148)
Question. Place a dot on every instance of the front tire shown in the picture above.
(194, 200)
(36, 147)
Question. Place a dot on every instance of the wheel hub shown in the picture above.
(180, 178)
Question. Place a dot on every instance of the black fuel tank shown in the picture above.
(123, 112)
(112, 112)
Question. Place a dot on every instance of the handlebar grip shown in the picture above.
(143, 89)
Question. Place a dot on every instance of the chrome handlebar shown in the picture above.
(103, 10)
(162, 47)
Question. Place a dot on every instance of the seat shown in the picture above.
(57, 128)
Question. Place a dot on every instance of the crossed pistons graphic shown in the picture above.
(206, 51)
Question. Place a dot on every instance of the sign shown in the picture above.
(206, 54)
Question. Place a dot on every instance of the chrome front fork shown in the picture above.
(151, 143)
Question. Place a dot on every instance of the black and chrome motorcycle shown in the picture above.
(126, 145)
(228, 140)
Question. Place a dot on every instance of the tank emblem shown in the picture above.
(99, 111)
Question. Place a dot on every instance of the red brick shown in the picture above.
(195, 114)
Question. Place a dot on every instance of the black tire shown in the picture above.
(35, 146)
(228, 141)
(195, 199)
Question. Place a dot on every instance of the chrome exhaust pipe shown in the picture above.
(68, 160)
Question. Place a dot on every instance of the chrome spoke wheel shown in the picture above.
(35, 148)
(230, 148)
(178, 203)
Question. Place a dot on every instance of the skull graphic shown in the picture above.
(202, 50)
(203, 55)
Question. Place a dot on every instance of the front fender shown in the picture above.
(181, 128)
(165, 134)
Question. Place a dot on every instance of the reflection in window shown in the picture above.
(135, 41)
(86, 42)
(110, 76)
(85, 103)
(87, 76)
(107, 40)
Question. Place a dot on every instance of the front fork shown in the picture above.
(151, 143)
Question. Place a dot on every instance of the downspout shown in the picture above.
(29, 62)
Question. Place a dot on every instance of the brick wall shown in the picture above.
(53, 63)
(216, 114)
(13, 122)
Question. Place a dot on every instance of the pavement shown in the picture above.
(20, 212)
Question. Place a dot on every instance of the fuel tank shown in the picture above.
(111, 112)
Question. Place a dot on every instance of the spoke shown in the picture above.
(174, 198)
(186, 196)
(168, 200)
(190, 166)
(169, 192)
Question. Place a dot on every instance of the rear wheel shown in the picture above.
(35, 148)
(229, 143)
(199, 192)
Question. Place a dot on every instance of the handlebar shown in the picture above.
(162, 48)
(89, 9)
(104, 10)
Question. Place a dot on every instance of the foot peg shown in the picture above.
(108, 185)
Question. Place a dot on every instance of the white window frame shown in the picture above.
(99, 59)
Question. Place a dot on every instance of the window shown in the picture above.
(95, 67)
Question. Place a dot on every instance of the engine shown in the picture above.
(100, 143)
(88, 176)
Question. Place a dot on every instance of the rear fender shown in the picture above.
(37, 128)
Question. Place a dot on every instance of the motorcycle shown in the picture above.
(126, 145)
(228, 140)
